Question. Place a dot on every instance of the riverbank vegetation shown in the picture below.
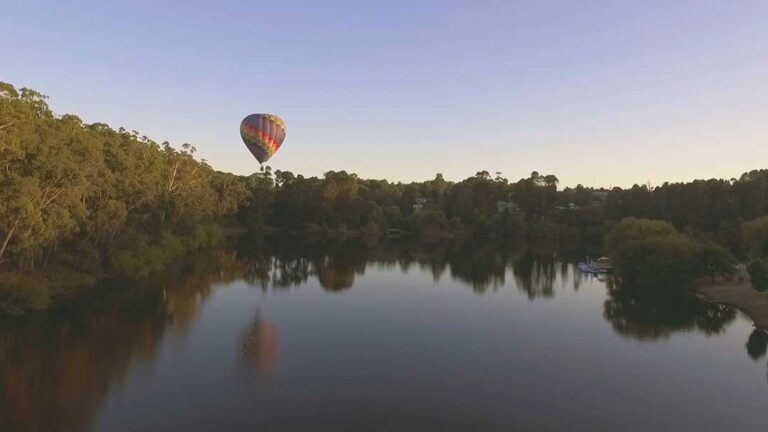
(755, 235)
(80, 203)
(758, 272)
(652, 254)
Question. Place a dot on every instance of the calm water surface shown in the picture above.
(393, 337)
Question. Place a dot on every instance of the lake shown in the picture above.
(281, 335)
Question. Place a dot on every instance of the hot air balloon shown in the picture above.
(262, 134)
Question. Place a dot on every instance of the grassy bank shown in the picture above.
(739, 295)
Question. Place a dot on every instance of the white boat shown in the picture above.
(601, 265)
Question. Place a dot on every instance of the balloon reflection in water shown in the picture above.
(259, 344)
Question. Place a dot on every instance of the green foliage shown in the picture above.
(89, 198)
(755, 236)
(429, 223)
(68, 186)
(713, 261)
(758, 272)
(135, 254)
(664, 262)
(545, 228)
(716, 206)
(342, 202)
(632, 229)
(20, 293)
(651, 254)
(487, 205)
(513, 226)
(371, 230)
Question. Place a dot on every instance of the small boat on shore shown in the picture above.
(599, 266)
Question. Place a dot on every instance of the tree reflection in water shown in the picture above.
(757, 344)
(649, 316)
(55, 369)
(535, 273)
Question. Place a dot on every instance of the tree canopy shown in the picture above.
(652, 254)
(90, 196)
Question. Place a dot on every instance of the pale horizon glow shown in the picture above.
(599, 93)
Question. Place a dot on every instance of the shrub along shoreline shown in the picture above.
(652, 256)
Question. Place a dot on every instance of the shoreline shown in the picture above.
(738, 295)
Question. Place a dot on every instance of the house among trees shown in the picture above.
(419, 203)
(599, 196)
(568, 206)
(508, 206)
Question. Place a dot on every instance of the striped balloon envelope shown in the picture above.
(263, 134)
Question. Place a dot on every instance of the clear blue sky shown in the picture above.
(596, 92)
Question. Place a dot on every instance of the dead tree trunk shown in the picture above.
(8, 237)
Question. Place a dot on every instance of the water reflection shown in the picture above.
(56, 369)
(187, 286)
(648, 316)
(259, 345)
(483, 266)
(757, 344)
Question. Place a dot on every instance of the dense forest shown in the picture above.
(79, 202)
(84, 202)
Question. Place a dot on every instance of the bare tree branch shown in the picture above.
(10, 123)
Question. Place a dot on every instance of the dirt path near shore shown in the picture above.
(739, 295)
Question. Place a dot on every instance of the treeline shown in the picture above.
(712, 209)
(485, 205)
(481, 205)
